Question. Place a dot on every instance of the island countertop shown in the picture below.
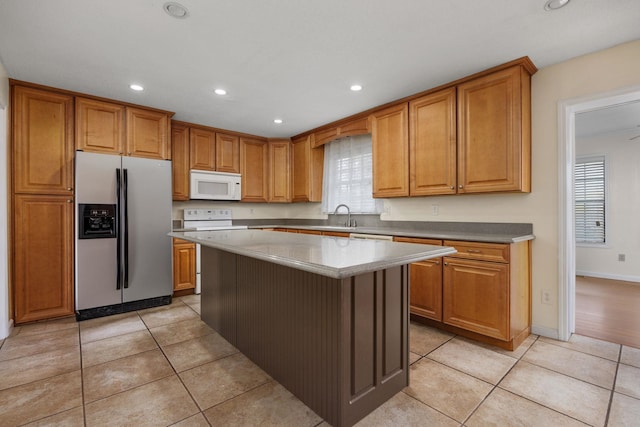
(334, 257)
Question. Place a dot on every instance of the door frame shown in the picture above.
(567, 110)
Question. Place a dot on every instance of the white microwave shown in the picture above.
(215, 185)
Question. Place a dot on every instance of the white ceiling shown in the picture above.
(614, 119)
(290, 59)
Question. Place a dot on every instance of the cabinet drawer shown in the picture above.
(496, 252)
(418, 240)
(177, 241)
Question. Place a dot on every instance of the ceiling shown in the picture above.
(293, 60)
(614, 119)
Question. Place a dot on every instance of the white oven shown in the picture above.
(207, 220)
(215, 185)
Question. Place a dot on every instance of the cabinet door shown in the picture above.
(227, 153)
(184, 265)
(180, 161)
(390, 136)
(307, 164)
(425, 294)
(279, 177)
(43, 257)
(99, 126)
(491, 133)
(432, 144)
(42, 142)
(202, 145)
(254, 167)
(476, 296)
(147, 133)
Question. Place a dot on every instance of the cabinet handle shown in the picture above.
(437, 262)
(474, 251)
(453, 187)
(460, 186)
(69, 200)
(69, 189)
(446, 264)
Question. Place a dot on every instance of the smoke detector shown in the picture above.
(176, 10)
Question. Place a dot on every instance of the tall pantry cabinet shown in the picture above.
(42, 152)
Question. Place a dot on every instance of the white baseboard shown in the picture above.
(622, 277)
(545, 332)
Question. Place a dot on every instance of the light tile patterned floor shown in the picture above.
(163, 366)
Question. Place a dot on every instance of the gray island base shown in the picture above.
(338, 341)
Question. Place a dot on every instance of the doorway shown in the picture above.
(567, 112)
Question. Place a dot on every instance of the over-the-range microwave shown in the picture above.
(207, 185)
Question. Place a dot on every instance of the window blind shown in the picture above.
(348, 174)
(590, 200)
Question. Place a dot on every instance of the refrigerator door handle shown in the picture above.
(125, 226)
(118, 233)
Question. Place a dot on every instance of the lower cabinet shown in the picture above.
(482, 292)
(43, 257)
(184, 265)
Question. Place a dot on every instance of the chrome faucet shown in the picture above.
(348, 223)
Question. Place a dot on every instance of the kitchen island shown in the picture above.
(327, 317)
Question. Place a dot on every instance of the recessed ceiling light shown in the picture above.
(356, 88)
(136, 87)
(277, 121)
(176, 10)
(555, 4)
(220, 92)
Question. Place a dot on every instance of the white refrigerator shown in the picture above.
(123, 252)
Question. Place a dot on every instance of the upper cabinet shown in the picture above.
(254, 167)
(390, 138)
(100, 126)
(227, 153)
(180, 161)
(112, 128)
(202, 145)
(279, 176)
(432, 144)
(147, 133)
(494, 132)
(307, 164)
(42, 130)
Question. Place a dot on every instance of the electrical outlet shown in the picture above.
(546, 296)
(435, 209)
(622, 257)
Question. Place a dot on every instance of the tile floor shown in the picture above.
(164, 366)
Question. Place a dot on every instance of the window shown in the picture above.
(348, 175)
(590, 200)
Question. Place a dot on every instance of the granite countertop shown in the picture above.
(334, 257)
(466, 235)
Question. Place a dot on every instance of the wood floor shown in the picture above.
(608, 310)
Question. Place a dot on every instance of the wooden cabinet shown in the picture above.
(425, 282)
(184, 265)
(254, 167)
(147, 133)
(307, 165)
(279, 176)
(42, 200)
(42, 150)
(481, 292)
(99, 126)
(432, 144)
(227, 153)
(487, 291)
(112, 128)
(494, 132)
(202, 146)
(358, 126)
(42, 257)
(180, 177)
(390, 138)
